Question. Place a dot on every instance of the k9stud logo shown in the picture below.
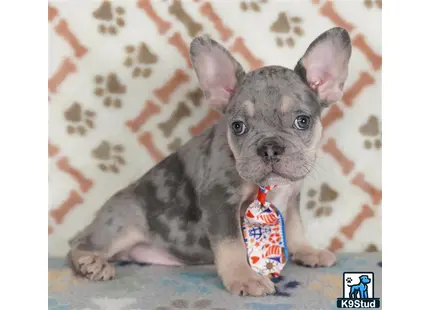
(358, 291)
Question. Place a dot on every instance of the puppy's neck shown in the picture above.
(279, 196)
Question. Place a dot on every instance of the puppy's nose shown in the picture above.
(270, 151)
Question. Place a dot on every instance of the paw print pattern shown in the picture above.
(111, 20)
(185, 304)
(110, 88)
(326, 195)
(286, 29)
(138, 58)
(255, 6)
(174, 145)
(373, 3)
(371, 130)
(371, 248)
(110, 156)
(195, 96)
(78, 119)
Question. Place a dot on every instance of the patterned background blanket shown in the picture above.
(123, 95)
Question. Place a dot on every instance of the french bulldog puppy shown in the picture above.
(187, 209)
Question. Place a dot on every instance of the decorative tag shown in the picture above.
(264, 234)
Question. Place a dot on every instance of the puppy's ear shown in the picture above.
(217, 71)
(324, 66)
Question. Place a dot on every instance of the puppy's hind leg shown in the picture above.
(116, 228)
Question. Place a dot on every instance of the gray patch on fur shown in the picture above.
(190, 201)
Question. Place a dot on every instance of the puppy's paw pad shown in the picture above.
(95, 268)
(314, 258)
(253, 285)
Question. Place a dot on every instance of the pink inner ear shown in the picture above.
(230, 90)
(317, 78)
(314, 84)
(326, 74)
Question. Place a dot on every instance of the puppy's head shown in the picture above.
(274, 113)
(365, 279)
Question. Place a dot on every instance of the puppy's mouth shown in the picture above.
(276, 175)
(264, 174)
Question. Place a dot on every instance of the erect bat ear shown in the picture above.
(324, 66)
(217, 71)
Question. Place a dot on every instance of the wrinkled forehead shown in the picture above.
(274, 90)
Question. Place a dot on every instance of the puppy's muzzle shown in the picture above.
(270, 151)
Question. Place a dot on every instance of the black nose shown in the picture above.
(270, 151)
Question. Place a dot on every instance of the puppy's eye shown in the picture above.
(239, 128)
(302, 122)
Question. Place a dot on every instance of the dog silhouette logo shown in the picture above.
(358, 291)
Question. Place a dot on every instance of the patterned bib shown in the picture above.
(264, 234)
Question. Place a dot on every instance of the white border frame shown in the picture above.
(406, 155)
(24, 132)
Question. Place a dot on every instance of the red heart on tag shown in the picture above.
(249, 214)
(255, 259)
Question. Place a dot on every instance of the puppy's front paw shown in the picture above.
(311, 257)
(245, 281)
(95, 268)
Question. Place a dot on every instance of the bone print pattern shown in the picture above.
(123, 95)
